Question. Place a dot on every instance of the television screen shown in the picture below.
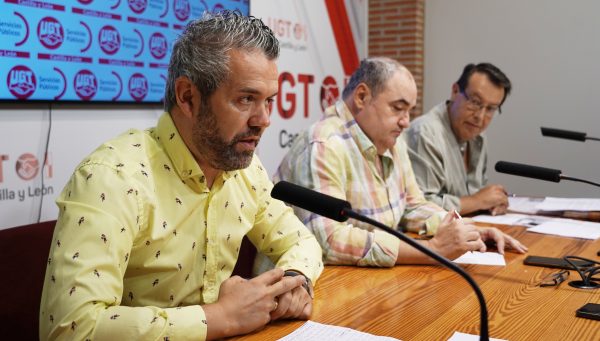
(86, 50)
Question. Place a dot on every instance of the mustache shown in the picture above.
(252, 132)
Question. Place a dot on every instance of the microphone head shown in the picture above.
(563, 134)
(534, 172)
(310, 200)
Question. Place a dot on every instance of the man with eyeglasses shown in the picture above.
(448, 149)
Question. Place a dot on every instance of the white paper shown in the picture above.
(504, 219)
(314, 331)
(468, 337)
(569, 228)
(569, 204)
(481, 258)
(524, 204)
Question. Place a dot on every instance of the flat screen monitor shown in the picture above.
(93, 50)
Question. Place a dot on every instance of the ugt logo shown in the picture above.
(158, 45)
(27, 166)
(109, 39)
(85, 84)
(329, 92)
(50, 33)
(182, 9)
(138, 87)
(137, 6)
(21, 81)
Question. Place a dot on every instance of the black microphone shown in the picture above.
(566, 134)
(341, 210)
(321, 204)
(535, 172)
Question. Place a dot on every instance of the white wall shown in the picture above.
(550, 51)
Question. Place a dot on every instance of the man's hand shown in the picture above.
(246, 305)
(493, 198)
(454, 238)
(502, 240)
(293, 304)
(499, 210)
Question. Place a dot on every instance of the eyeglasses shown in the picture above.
(554, 279)
(475, 105)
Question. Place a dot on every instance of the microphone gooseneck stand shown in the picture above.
(484, 333)
(341, 210)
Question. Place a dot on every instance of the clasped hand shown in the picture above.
(245, 305)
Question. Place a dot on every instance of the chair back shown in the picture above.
(23, 255)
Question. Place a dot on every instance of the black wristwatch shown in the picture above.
(307, 285)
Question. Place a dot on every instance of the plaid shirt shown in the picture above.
(335, 157)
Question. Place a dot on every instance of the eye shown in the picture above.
(270, 100)
(246, 99)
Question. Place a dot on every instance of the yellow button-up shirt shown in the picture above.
(141, 241)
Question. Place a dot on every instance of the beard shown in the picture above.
(220, 154)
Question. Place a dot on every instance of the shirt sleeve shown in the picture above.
(281, 236)
(323, 167)
(421, 216)
(427, 162)
(101, 215)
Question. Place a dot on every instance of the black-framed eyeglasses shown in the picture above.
(474, 104)
(554, 279)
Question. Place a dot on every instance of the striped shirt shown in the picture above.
(335, 157)
(141, 242)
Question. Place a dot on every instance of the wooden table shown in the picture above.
(432, 302)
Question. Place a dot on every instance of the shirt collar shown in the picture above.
(358, 135)
(181, 157)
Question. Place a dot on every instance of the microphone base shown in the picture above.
(584, 285)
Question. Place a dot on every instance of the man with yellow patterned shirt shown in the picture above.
(353, 153)
(151, 223)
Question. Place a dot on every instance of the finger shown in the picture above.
(500, 242)
(472, 236)
(517, 246)
(270, 277)
(295, 307)
(283, 305)
(306, 311)
(286, 284)
(476, 245)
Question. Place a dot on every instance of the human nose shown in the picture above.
(404, 121)
(262, 117)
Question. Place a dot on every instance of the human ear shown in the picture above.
(362, 94)
(186, 96)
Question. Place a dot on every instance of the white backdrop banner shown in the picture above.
(322, 43)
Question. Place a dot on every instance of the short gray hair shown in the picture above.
(201, 52)
(374, 72)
